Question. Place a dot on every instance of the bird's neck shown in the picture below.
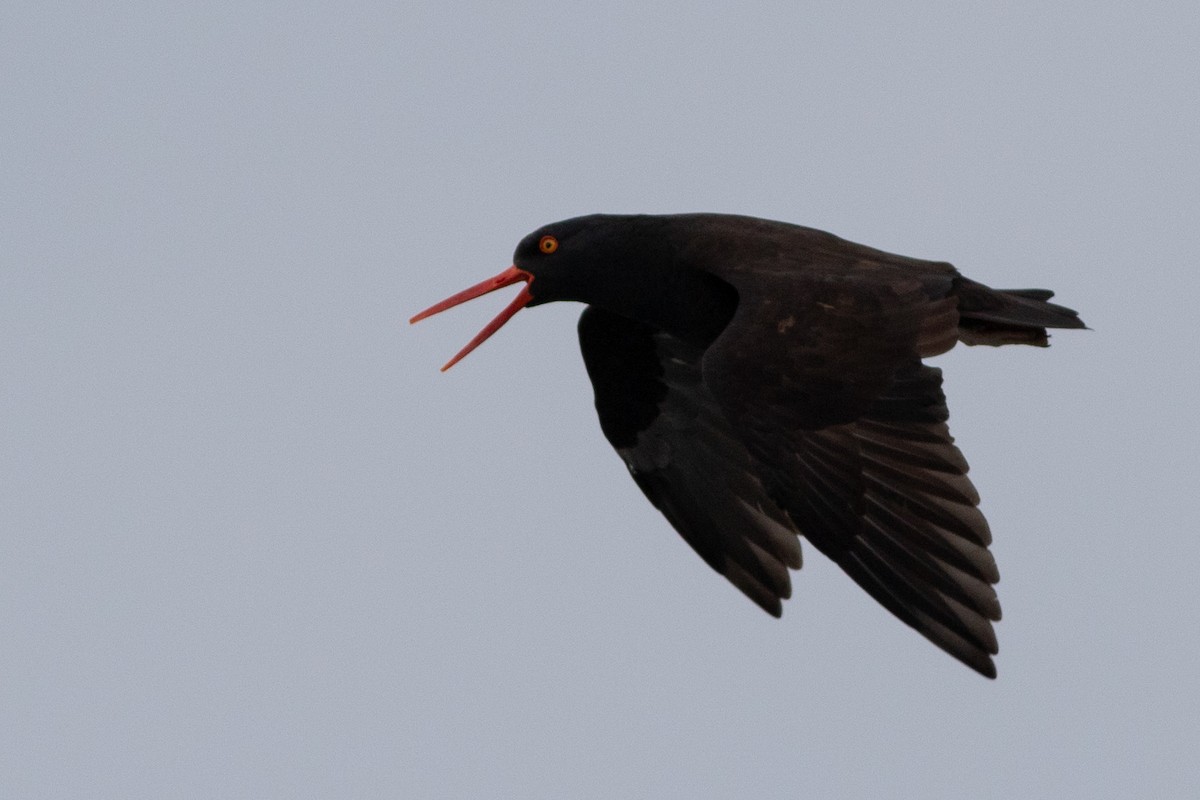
(687, 303)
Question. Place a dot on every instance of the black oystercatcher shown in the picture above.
(762, 380)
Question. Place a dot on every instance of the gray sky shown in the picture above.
(255, 545)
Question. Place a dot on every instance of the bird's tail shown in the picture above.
(1009, 316)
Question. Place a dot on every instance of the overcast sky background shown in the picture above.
(254, 545)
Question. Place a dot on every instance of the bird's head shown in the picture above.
(626, 264)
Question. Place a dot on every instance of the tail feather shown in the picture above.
(1010, 316)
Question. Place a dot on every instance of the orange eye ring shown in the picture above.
(547, 244)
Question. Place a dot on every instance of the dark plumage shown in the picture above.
(762, 380)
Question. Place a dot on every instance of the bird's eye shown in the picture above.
(548, 244)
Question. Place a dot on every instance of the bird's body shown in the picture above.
(763, 380)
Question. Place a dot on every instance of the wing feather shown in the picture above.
(848, 429)
(685, 455)
(811, 413)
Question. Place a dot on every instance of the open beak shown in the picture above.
(508, 277)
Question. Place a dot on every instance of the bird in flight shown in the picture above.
(764, 381)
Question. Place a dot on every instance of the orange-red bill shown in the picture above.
(507, 278)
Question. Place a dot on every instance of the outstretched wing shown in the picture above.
(822, 379)
(683, 452)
